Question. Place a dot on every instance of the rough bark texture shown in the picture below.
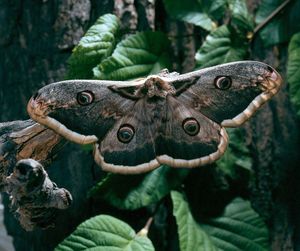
(35, 199)
(127, 13)
(26, 139)
(275, 192)
(36, 40)
(275, 164)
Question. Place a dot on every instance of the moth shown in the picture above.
(172, 119)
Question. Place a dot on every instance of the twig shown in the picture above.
(270, 17)
(144, 231)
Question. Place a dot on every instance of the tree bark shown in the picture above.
(36, 39)
(273, 137)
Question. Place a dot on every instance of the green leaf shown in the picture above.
(102, 233)
(239, 228)
(221, 46)
(241, 18)
(293, 71)
(237, 155)
(97, 44)
(138, 55)
(283, 26)
(191, 235)
(217, 8)
(136, 191)
(194, 12)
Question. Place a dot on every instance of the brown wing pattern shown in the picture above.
(168, 119)
(251, 85)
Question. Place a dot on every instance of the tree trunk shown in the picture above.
(36, 39)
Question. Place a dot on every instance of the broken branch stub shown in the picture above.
(35, 199)
(23, 140)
